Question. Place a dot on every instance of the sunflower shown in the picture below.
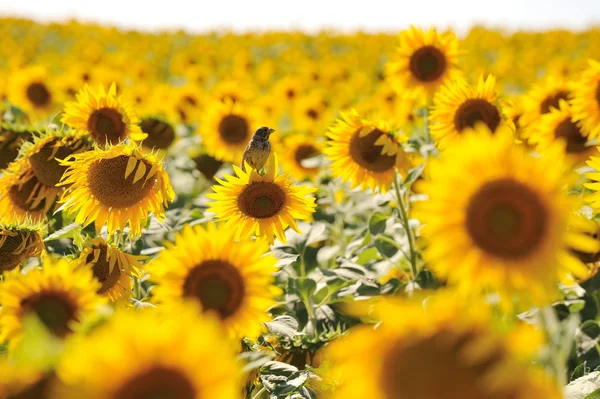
(19, 242)
(31, 90)
(187, 102)
(24, 381)
(559, 125)
(23, 196)
(499, 218)
(59, 295)
(111, 267)
(303, 151)
(12, 136)
(440, 351)
(234, 91)
(152, 354)
(366, 153)
(423, 61)
(206, 164)
(261, 205)
(117, 186)
(585, 103)
(226, 129)
(231, 279)
(48, 148)
(542, 98)
(104, 115)
(310, 112)
(459, 106)
(161, 134)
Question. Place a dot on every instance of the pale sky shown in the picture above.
(312, 15)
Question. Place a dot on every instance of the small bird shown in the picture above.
(257, 152)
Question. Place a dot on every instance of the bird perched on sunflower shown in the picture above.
(257, 152)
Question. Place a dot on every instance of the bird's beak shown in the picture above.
(271, 130)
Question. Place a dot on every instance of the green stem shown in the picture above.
(311, 315)
(409, 234)
(259, 393)
(136, 288)
(302, 263)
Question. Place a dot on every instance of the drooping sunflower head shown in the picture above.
(543, 97)
(23, 196)
(161, 134)
(31, 89)
(263, 206)
(111, 267)
(19, 241)
(118, 186)
(460, 350)
(558, 125)
(459, 106)
(104, 115)
(423, 61)
(12, 136)
(57, 294)
(227, 128)
(585, 102)
(230, 279)
(366, 153)
(509, 227)
(303, 152)
(44, 154)
(152, 354)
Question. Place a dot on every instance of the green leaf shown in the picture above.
(306, 287)
(413, 175)
(594, 395)
(591, 328)
(317, 233)
(281, 379)
(579, 371)
(385, 247)
(254, 360)
(285, 326)
(377, 223)
(367, 255)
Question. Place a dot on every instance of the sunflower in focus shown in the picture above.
(57, 294)
(366, 153)
(542, 97)
(263, 206)
(111, 267)
(233, 280)
(104, 115)
(457, 346)
(118, 186)
(152, 354)
(585, 102)
(226, 129)
(19, 242)
(12, 137)
(510, 226)
(559, 125)
(459, 106)
(303, 152)
(31, 90)
(423, 61)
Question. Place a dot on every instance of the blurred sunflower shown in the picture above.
(366, 153)
(585, 103)
(233, 91)
(263, 206)
(161, 134)
(111, 267)
(59, 295)
(117, 186)
(310, 112)
(459, 106)
(303, 152)
(233, 280)
(104, 115)
(19, 242)
(31, 89)
(24, 381)
(226, 129)
(12, 136)
(510, 226)
(559, 125)
(542, 97)
(152, 354)
(423, 61)
(456, 346)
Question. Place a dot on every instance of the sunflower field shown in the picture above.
(288, 216)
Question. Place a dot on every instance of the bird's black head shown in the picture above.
(263, 132)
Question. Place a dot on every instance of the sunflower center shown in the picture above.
(101, 270)
(21, 195)
(598, 94)
(107, 182)
(106, 126)
(9, 259)
(290, 94)
(44, 163)
(38, 94)
(368, 155)
(217, 285)
(476, 110)
(207, 165)
(234, 129)
(408, 367)
(427, 64)
(506, 219)
(160, 134)
(304, 152)
(55, 309)
(9, 146)
(261, 200)
(552, 101)
(312, 114)
(158, 382)
(569, 131)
